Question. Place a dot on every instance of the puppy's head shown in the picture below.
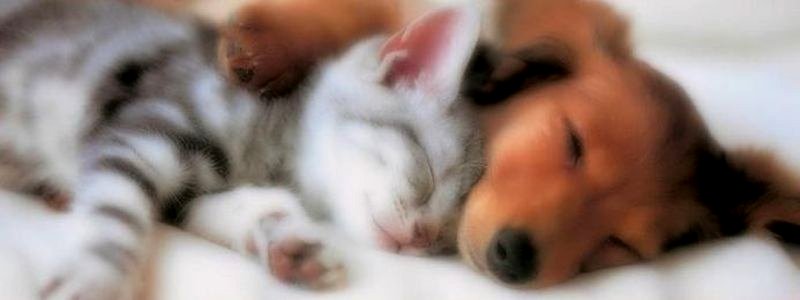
(594, 159)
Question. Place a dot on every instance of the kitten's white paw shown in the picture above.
(100, 273)
(296, 254)
(270, 224)
(96, 261)
(308, 263)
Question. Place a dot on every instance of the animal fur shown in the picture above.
(595, 159)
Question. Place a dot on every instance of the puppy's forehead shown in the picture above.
(583, 25)
(545, 48)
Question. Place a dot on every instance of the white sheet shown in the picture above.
(745, 268)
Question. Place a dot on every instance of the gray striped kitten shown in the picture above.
(120, 111)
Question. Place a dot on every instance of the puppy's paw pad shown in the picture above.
(307, 263)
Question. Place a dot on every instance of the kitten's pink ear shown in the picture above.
(431, 53)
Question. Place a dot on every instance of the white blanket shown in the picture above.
(745, 268)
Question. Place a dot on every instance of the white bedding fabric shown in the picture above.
(740, 59)
(744, 268)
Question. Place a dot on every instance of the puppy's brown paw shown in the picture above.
(262, 50)
(270, 47)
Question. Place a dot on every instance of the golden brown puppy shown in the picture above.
(594, 158)
(270, 46)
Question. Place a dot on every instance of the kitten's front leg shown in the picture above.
(103, 240)
(122, 183)
(269, 224)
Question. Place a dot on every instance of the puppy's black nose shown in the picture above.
(512, 257)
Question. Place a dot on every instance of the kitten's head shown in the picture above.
(400, 146)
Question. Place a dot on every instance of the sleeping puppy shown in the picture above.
(595, 159)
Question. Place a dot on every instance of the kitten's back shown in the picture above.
(61, 66)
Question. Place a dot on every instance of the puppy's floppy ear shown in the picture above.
(431, 54)
(613, 30)
(749, 190)
(479, 86)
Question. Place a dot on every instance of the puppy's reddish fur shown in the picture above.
(270, 46)
(649, 176)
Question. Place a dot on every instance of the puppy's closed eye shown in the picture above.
(574, 147)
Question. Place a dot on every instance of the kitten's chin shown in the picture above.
(388, 245)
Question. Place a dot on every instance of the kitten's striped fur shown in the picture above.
(121, 110)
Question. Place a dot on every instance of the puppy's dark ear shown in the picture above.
(749, 190)
(478, 85)
(494, 77)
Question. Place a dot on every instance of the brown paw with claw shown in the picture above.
(270, 47)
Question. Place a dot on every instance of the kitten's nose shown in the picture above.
(415, 240)
(422, 236)
(512, 256)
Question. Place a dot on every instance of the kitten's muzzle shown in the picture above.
(416, 240)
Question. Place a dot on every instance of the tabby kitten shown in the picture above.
(120, 112)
